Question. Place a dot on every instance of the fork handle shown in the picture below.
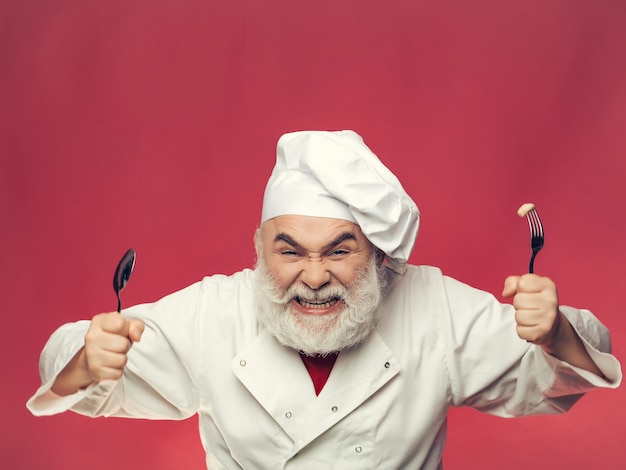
(531, 266)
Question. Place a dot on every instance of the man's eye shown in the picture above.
(289, 253)
(339, 252)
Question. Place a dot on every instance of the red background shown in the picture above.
(153, 124)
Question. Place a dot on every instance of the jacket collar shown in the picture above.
(276, 377)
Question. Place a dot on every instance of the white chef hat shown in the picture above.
(334, 174)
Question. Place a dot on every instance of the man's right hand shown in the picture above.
(103, 357)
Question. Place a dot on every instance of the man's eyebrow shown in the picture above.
(287, 239)
(341, 238)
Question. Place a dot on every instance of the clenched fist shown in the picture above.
(536, 305)
(103, 357)
(107, 341)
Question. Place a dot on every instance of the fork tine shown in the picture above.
(536, 228)
(530, 223)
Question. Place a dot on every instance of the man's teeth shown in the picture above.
(318, 304)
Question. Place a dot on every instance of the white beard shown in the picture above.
(321, 334)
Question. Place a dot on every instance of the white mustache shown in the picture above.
(303, 293)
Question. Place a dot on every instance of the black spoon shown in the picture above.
(122, 275)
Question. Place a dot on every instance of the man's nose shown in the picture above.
(315, 274)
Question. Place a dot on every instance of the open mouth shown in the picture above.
(317, 303)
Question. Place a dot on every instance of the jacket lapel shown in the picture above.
(278, 380)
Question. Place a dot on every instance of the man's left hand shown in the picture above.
(536, 305)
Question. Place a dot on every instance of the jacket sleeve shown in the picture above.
(159, 379)
(494, 371)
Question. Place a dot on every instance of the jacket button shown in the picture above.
(242, 363)
(387, 365)
(334, 409)
(288, 414)
(358, 449)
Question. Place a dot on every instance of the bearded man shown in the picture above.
(333, 352)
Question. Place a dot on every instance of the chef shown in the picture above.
(332, 352)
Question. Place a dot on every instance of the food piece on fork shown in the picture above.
(525, 209)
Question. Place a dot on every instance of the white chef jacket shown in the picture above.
(439, 343)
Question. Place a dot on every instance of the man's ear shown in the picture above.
(256, 240)
(380, 256)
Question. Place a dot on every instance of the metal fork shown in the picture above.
(536, 236)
